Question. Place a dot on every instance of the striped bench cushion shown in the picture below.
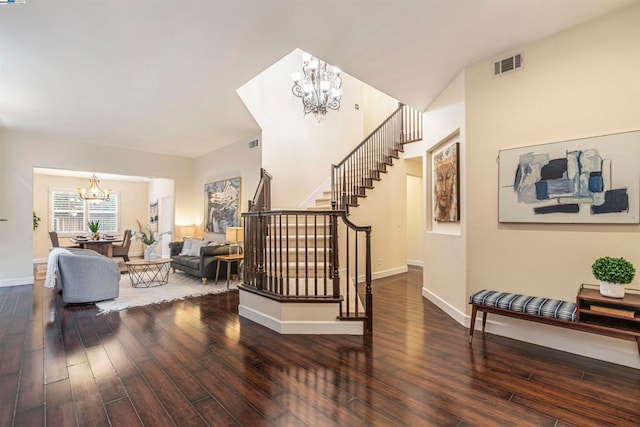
(554, 308)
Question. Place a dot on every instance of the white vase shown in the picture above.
(611, 290)
(150, 253)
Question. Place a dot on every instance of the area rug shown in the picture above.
(180, 286)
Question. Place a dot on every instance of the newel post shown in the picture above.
(260, 252)
(368, 332)
(334, 256)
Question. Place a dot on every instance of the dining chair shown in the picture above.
(55, 242)
(54, 239)
(123, 249)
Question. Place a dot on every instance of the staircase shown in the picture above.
(366, 163)
(317, 256)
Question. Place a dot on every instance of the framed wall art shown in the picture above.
(446, 186)
(590, 180)
(222, 205)
(153, 216)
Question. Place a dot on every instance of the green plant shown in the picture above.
(93, 226)
(36, 220)
(613, 270)
(146, 236)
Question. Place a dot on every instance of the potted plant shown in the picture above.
(613, 274)
(36, 220)
(149, 238)
(93, 227)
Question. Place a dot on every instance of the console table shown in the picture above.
(613, 317)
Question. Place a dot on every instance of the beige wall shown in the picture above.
(133, 205)
(385, 210)
(230, 161)
(415, 221)
(21, 152)
(376, 107)
(580, 83)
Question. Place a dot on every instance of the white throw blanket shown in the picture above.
(52, 266)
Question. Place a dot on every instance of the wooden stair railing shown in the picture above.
(262, 197)
(293, 256)
(364, 164)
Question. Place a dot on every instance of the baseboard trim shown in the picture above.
(18, 281)
(384, 273)
(415, 262)
(581, 343)
(285, 327)
(443, 305)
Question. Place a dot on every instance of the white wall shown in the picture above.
(298, 151)
(444, 274)
(21, 152)
(230, 161)
(162, 190)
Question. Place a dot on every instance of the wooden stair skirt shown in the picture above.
(306, 316)
(295, 317)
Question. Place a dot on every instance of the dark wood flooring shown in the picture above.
(196, 362)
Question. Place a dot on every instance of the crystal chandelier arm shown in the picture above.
(319, 87)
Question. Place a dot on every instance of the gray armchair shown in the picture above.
(86, 276)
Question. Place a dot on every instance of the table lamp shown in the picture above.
(187, 231)
(234, 235)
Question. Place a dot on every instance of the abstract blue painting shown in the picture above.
(591, 180)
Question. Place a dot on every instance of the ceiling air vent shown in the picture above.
(506, 65)
(253, 144)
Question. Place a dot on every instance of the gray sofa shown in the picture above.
(86, 276)
(203, 266)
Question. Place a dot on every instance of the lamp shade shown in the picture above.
(235, 234)
(188, 231)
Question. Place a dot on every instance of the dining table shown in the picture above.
(102, 246)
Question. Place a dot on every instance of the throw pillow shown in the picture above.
(195, 247)
(186, 246)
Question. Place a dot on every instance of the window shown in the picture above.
(106, 212)
(69, 213)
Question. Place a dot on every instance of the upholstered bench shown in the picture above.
(537, 309)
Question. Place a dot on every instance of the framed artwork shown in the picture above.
(446, 186)
(222, 205)
(590, 180)
(153, 216)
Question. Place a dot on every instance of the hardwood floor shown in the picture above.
(195, 362)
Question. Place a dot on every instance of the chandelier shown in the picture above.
(94, 192)
(319, 86)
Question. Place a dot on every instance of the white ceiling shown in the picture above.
(161, 76)
(89, 175)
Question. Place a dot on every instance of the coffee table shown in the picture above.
(148, 274)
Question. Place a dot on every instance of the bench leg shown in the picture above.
(474, 311)
(638, 340)
(484, 320)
